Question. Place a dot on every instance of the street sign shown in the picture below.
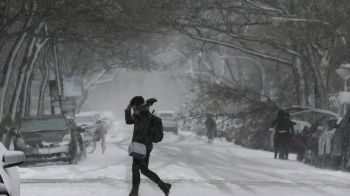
(56, 103)
(344, 97)
(72, 87)
(344, 71)
(264, 99)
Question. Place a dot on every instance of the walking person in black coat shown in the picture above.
(276, 137)
(289, 126)
(210, 125)
(141, 120)
(284, 133)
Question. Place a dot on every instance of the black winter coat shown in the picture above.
(281, 124)
(142, 123)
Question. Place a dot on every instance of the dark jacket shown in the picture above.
(210, 124)
(142, 123)
(281, 124)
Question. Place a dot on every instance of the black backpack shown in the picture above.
(156, 129)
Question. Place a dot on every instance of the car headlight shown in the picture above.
(20, 142)
(67, 138)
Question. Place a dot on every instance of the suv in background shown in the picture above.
(50, 138)
(108, 118)
(93, 125)
(340, 146)
(312, 138)
(169, 121)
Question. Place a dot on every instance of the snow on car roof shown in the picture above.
(44, 117)
(89, 113)
(85, 114)
(302, 122)
(161, 112)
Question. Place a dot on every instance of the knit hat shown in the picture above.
(137, 101)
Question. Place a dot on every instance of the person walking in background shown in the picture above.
(210, 125)
(287, 138)
(300, 143)
(276, 137)
(141, 120)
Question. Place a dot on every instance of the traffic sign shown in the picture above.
(72, 87)
(344, 97)
(344, 71)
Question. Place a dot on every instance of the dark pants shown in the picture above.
(284, 146)
(276, 143)
(142, 165)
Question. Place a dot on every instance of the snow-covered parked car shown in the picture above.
(108, 118)
(92, 123)
(169, 121)
(339, 152)
(298, 127)
(324, 147)
(9, 175)
(50, 138)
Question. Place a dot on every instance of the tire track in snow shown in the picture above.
(209, 162)
(182, 181)
(224, 171)
(274, 175)
(197, 166)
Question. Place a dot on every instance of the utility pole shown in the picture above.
(58, 75)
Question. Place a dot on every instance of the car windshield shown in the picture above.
(36, 125)
(84, 119)
(298, 127)
(319, 132)
(166, 115)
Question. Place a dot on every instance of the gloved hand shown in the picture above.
(128, 107)
(151, 101)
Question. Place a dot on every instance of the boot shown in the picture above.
(134, 192)
(165, 187)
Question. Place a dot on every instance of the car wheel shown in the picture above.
(323, 162)
(82, 155)
(75, 158)
(314, 158)
(74, 161)
(300, 156)
(98, 136)
(84, 152)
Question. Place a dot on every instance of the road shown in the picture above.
(194, 167)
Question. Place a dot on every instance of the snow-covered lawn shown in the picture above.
(192, 166)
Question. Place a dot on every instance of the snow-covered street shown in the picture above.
(192, 166)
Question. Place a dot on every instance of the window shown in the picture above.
(84, 119)
(98, 117)
(49, 124)
(166, 115)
